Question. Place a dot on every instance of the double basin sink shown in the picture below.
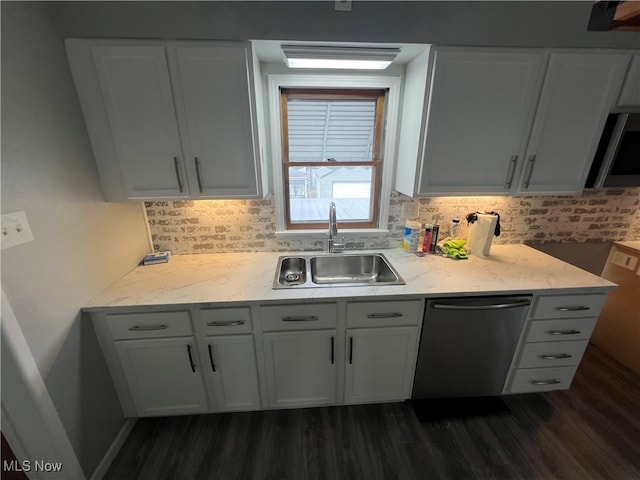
(305, 271)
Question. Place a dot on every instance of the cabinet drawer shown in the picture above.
(561, 330)
(541, 379)
(298, 317)
(568, 306)
(125, 326)
(552, 354)
(222, 321)
(384, 314)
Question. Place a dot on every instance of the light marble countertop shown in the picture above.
(633, 244)
(248, 277)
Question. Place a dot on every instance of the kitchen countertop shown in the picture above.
(248, 277)
(634, 244)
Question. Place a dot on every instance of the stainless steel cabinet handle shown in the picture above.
(145, 328)
(198, 174)
(176, 165)
(309, 318)
(555, 357)
(226, 323)
(213, 365)
(572, 309)
(193, 365)
(495, 306)
(350, 350)
(563, 332)
(384, 315)
(544, 382)
(511, 171)
(332, 350)
(532, 162)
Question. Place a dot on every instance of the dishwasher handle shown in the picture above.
(492, 306)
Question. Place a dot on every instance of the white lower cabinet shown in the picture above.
(380, 364)
(381, 349)
(300, 367)
(555, 340)
(163, 375)
(231, 373)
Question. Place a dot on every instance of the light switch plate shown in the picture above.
(15, 230)
(343, 5)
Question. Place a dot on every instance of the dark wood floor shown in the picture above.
(591, 431)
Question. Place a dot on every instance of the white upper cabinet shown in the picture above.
(170, 119)
(479, 107)
(215, 111)
(137, 96)
(630, 93)
(579, 91)
(480, 121)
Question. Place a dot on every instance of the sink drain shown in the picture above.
(292, 277)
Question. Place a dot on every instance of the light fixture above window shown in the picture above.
(360, 58)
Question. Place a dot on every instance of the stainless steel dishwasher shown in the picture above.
(467, 345)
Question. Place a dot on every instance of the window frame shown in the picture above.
(379, 95)
(276, 82)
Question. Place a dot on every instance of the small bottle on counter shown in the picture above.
(454, 229)
(434, 238)
(426, 241)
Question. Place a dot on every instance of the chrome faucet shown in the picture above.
(333, 231)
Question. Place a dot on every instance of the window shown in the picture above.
(332, 151)
(349, 161)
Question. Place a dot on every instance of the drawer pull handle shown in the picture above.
(385, 315)
(579, 308)
(193, 365)
(213, 365)
(564, 332)
(229, 323)
(544, 382)
(145, 328)
(556, 356)
(310, 318)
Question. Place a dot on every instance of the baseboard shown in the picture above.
(105, 463)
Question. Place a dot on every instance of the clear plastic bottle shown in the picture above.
(454, 229)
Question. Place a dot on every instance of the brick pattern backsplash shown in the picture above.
(209, 226)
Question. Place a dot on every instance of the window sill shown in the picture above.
(347, 233)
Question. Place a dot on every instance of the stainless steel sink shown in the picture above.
(331, 270)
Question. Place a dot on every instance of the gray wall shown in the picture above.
(82, 244)
(515, 23)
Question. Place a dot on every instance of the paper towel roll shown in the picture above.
(481, 234)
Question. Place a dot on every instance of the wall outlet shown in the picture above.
(624, 260)
(410, 210)
(15, 230)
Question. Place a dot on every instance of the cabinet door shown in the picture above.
(233, 374)
(578, 92)
(479, 114)
(214, 102)
(630, 93)
(380, 364)
(300, 368)
(163, 376)
(135, 86)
